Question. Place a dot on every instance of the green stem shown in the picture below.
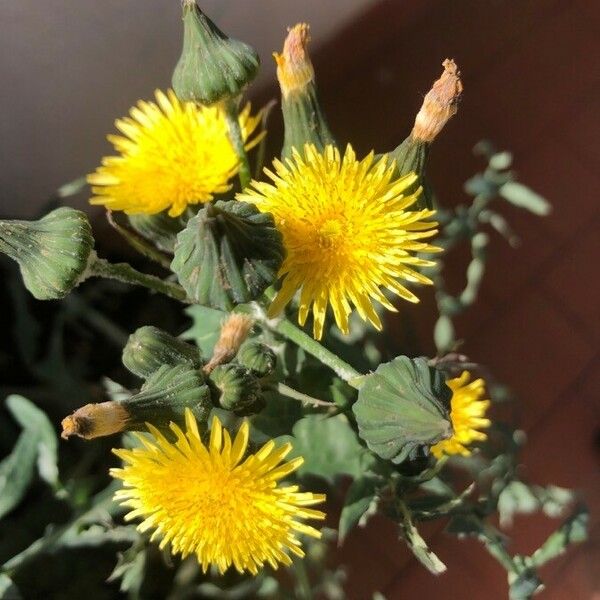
(328, 358)
(139, 243)
(127, 274)
(237, 140)
(289, 392)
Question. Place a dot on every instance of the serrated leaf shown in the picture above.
(359, 498)
(206, 325)
(403, 407)
(16, 472)
(524, 197)
(329, 447)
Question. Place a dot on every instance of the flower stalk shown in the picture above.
(237, 140)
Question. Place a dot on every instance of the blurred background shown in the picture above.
(531, 70)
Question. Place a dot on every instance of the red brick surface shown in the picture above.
(532, 84)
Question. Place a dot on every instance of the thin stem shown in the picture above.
(237, 140)
(289, 392)
(139, 243)
(127, 274)
(328, 358)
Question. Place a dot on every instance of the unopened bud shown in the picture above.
(236, 389)
(257, 357)
(303, 118)
(52, 253)
(212, 67)
(234, 331)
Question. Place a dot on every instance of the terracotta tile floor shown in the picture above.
(532, 83)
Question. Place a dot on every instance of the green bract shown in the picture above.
(211, 66)
(52, 252)
(165, 396)
(228, 254)
(403, 407)
(149, 348)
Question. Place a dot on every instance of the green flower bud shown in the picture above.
(228, 254)
(439, 105)
(257, 357)
(52, 252)
(211, 67)
(149, 348)
(303, 118)
(162, 399)
(161, 229)
(236, 389)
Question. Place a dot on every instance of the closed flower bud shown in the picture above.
(163, 399)
(303, 118)
(439, 105)
(149, 348)
(52, 252)
(211, 67)
(228, 254)
(235, 388)
(257, 357)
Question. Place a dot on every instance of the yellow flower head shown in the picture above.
(467, 413)
(347, 230)
(171, 154)
(214, 501)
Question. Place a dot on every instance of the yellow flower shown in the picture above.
(214, 501)
(171, 154)
(467, 412)
(347, 230)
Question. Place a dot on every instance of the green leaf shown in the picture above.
(205, 329)
(130, 569)
(403, 407)
(572, 531)
(359, 499)
(36, 444)
(330, 448)
(35, 421)
(418, 545)
(523, 197)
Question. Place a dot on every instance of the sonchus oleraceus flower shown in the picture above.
(467, 413)
(171, 154)
(216, 502)
(348, 232)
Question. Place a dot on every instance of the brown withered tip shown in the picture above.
(234, 331)
(440, 103)
(95, 420)
(294, 68)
